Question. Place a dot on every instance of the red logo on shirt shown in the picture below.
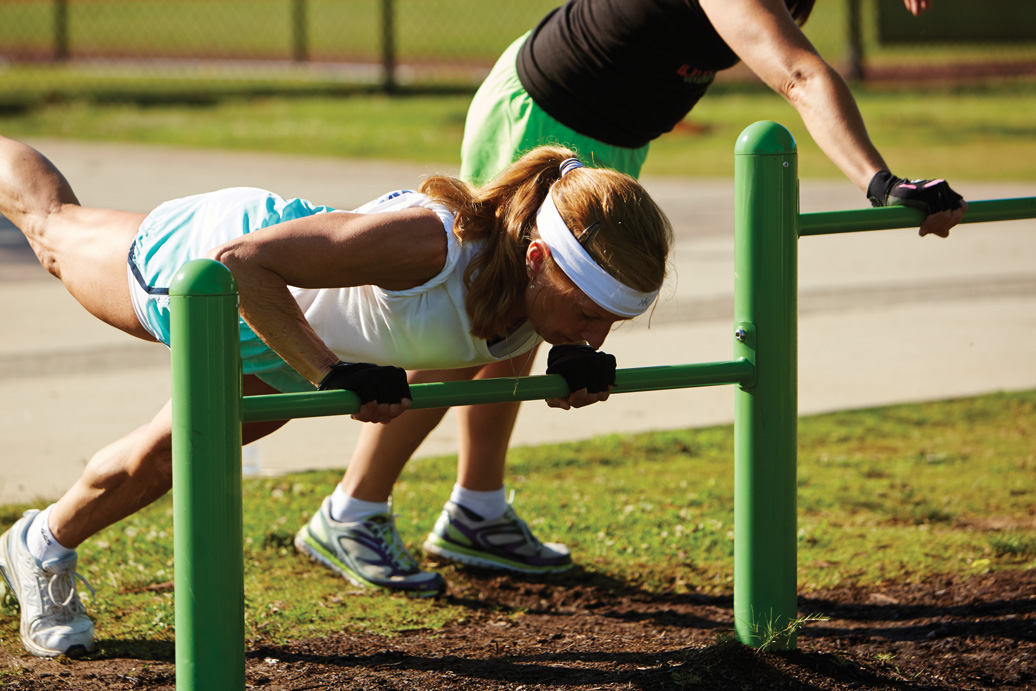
(696, 76)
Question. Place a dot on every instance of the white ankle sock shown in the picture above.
(41, 541)
(490, 505)
(346, 509)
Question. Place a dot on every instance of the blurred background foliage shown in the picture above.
(178, 49)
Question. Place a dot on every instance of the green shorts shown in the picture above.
(503, 123)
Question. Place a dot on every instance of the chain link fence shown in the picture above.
(57, 47)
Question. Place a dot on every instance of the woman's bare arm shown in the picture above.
(763, 34)
(395, 250)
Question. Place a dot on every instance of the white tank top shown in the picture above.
(425, 327)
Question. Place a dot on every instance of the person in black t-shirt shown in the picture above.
(605, 78)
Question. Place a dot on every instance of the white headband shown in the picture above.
(600, 286)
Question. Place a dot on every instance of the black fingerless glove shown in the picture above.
(582, 367)
(369, 382)
(930, 196)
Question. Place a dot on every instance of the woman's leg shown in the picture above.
(86, 248)
(485, 430)
(383, 450)
(477, 526)
(129, 474)
(119, 480)
(352, 532)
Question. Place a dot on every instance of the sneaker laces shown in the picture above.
(397, 551)
(526, 533)
(522, 525)
(65, 604)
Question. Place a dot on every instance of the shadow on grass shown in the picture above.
(581, 590)
(725, 664)
(1002, 618)
(138, 649)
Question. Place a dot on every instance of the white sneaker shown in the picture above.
(54, 621)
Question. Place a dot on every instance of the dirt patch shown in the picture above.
(950, 633)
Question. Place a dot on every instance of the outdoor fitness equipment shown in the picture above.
(208, 408)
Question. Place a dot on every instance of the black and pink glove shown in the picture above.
(930, 196)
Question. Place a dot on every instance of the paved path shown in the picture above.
(884, 317)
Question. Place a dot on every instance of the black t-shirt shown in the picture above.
(622, 71)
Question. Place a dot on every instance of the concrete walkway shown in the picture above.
(884, 317)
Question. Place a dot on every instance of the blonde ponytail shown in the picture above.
(501, 215)
(631, 238)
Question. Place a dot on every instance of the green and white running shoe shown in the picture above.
(505, 543)
(54, 621)
(369, 553)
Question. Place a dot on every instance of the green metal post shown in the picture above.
(765, 411)
(207, 520)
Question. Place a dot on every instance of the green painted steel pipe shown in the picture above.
(765, 411)
(889, 217)
(207, 519)
(447, 394)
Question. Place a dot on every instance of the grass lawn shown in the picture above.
(893, 494)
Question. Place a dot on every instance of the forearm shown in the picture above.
(765, 37)
(832, 118)
(280, 323)
(267, 306)
(394, 250)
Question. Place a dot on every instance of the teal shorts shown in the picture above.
(503, 123)
(180, 230)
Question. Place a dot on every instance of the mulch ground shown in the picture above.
(975, 632)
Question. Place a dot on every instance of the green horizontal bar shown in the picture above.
(287, 406)
(889, 217)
